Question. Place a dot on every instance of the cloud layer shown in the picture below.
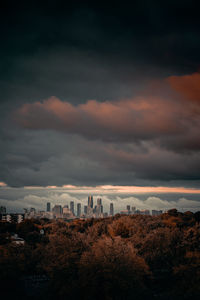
(127, 134)
(169, 120)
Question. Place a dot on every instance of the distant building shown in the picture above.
(12, 218)
(57, 211)
(99, 201)
(67, 213)
(145, 212)
(85, 209)
(2, 210)
(133, 209)
(90, 201)
(124, 212)
(78, 210)
(98, 208)
(66, 209)
(72, 207)
(111, 209)
(156, 212)
(48, 206)
(17, 240)
(32, 212)
(128, 207)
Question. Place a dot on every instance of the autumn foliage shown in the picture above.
(121, 257)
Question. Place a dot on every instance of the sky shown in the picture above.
(99, 94)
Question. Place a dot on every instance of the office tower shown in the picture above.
(99, 201)
(66, 209)
(133, 209)
(85, 209)
(57, 210)
(111, 209)
(72, 207)
(67, 213)
(48, 206)
(78, 210)
(99, 207)
(90, 201)
(128, 208)
(2, 210)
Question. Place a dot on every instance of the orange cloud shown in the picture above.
(187, 85)
(167, 119)
(121, 189)
(134, 118)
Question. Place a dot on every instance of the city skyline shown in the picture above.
(68, 212)
(93, 209)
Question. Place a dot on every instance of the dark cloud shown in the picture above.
(107, 53)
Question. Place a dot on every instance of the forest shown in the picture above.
(120, 257)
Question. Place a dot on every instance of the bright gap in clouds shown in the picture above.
(121, 189)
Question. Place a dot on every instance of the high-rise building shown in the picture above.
(67, 213)
(66, 209)
(48, 206)
(98, 208)
(78, 210)
(2, 210)
(57, 210)
(133, 209)
(72, 206)
(90, 201)
(85, 209)
(111, 209)
(128, 207)
(99, 201)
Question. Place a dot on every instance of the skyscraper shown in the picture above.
(78, 210)
(57, 211)
(85, 209)
(99, 202)
(72, 206)
(128, 207)
(48, 206)
(111, 209)
(90, 201)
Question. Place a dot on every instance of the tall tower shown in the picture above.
(111, 209)
(99, 201)
(72, 207)
(78, 210)
(90, 201)
(85, 209)
(57, 211)
(48, 206)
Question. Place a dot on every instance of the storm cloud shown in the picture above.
(100, 94)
